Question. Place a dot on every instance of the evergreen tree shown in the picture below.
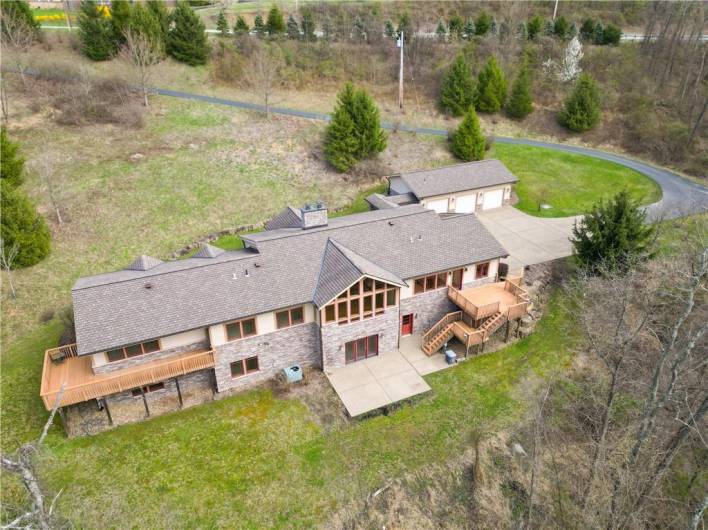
(22, 226)
(457, 92)
(389, 29)
(241, 27)
(404, 25)
(159, 11)
(581, 110)
(534, 27)
(293, 28)
(522, 31)
(483, 24)
(371, 138)
(259, 26)
(339, 142)
(441, 31)
(469, 29)
(187, 40)
(120, 20)
(95, 32)
(360, 29)
(308, 25)
(144, 22)
(561, 28)
(548, 28)
(13, 165)
(613, 236)
(275, 24)
(456, 26)
(573, 31)
(327, 28)
(598, 35)
(467, 142)
(611, 35)
(587, 30)
(520, 101)
(491, 87)
(222, 25)
(20, 11)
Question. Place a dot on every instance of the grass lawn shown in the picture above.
(569, 182)
(256, 461)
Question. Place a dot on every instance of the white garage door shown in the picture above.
(465, 203)
(492, 199)
(439, 206)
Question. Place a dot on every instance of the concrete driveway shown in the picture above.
(529, 239)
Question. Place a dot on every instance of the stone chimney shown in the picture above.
(313, 215)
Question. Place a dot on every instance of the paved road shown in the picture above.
(680, 196)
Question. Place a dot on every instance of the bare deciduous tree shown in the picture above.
(7, 260)
(264, 67)
(45, 167)
(141, 52)
(17, 38)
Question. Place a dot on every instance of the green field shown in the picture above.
(568, 182)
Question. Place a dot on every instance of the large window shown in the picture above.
(289, 317)
(430, 283)
(365, 299)
(241, 329)
(482, 270)
(244, 367)
(133, 351)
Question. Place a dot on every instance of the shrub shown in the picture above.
(534, 27)
(483, 24)
(561, 28)
(96, 32)
(491, 87)
(581, 110)
(275, 24)
(456, 26)
(467, 142)
(13, 165)
(520, 102)
(227, 64)
(186, 40)
(611, 35)
(587, 30)
(458, 91)
(21, 225)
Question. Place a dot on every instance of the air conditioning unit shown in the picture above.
(293, 374)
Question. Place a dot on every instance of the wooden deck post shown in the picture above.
(108, 412)
(179, 393)
(145, 401)
(508, 328)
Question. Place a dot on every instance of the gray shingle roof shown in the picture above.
(144, 263)
(288, 218)
(459, 177)
(115, 309)
(209, 251)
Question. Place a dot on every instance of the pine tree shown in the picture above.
(95, 32)
(293, 28)
(159, 11)
(457, 92)
(441, 31)
(371, 138)
(598, 35)
(614, 236)
(581, 110)
(187, 40)
(241, 27)
(222, 25)
(308, 25)
(456, 26)
(534, 27)
(467, 142)
(522, 31)
(13, 164)
(20, 11)
(561, 28)
(587, 30)
(21, 225)
(520, 102)
(573, 31)
(491, 87)
(275, 24)
(144, 22)
(611, 35)
(340, 143)
(389, 29)
(483, 24)
(469, 29)
(259, 26)
(120, 20)
(548, 28)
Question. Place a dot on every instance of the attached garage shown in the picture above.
(440, 206)
(465, 203)
(493, 199)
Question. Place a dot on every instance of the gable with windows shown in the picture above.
(364, 299)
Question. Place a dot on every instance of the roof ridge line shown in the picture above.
(447, 166)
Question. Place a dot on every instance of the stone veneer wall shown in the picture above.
(149, 357)
(86, 418)
(277, 350)
(335, 336)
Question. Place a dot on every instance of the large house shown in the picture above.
(309, 290)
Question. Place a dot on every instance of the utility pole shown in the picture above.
(399, 43)
(555, 10)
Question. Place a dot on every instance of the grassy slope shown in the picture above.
(262, 461)
(570, 183)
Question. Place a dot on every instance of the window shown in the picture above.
(241, 329)
(364, 299)
(147, 389)
(244, 367)
(133, 350)
(482, 270)
(430, 283)
(289, 317)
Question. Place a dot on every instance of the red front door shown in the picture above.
(359, 349)
(407, 324)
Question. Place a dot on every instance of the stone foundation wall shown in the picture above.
(427, 308)
(87, 418)
(334, 336)
(149, 357)
(277, 350)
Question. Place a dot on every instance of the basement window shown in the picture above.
(244, 367)
(133, 351)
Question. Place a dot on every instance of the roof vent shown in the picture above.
(148, 286)
(143, 263)
(391, 223)
(209, 251)
(314, 215)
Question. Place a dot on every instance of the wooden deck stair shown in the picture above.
(493, 323)
(434, 343)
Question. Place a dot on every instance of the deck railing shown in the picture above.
(62, 352)
(469, 338)
(477, 312)
(120, 382)
(440, 324)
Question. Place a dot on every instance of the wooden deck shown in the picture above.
(81, 384)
